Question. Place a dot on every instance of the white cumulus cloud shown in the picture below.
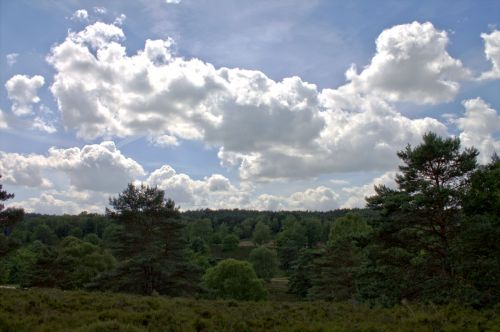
(411, 64)
(23, 91)
(314, 199)
(480, 127)
(267, 129)
(492, 52)
(98, 167)
(214, 191)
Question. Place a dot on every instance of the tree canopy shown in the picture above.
(233, 279)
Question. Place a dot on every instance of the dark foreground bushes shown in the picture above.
(55, 310)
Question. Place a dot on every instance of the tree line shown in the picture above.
(432, 238)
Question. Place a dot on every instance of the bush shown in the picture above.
(230, 242)
(233, 279)
(265, 262)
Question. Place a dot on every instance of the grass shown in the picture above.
(56, 310)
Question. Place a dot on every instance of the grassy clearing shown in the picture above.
(55, 310)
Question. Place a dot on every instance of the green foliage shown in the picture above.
(313, 231)
(45, 234)
(15, 267)
(483, 196)
(334, 272)
(476, 258)
(233, 279)
(54, 310)
(264, 262)
(230, 242)
(330, 273)
(349, 226)
(199, 246)
(8, 219)
(81, 262)
(201, 229)
(149, 245)
(300, 272)
(216, 239)
(289, 242)
(261, 234)
(92, 238)
(76, 232)
(420, 222)
(70, 265)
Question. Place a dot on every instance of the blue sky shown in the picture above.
(224, 104)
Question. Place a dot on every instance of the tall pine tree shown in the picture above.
(422, 216)
(149, 245)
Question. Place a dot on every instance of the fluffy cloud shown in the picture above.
(24, 170)
(411, 64)
(314, 199)
(357, 194)
(80, 15)
(173, 1)
(492, 52)
(97, 167)
(12, 59)
(164, 140)
(268, 129)
(23, 91)
(215, 191)
(55, 202)
(480, 125)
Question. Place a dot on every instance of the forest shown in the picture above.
(423, 254)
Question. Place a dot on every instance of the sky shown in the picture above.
(268, 105)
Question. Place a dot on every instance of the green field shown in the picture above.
(55, 310)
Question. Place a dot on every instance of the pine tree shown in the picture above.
(149, 244)
(421, 217)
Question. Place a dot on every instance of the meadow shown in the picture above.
(57, 310)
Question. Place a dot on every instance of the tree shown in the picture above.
(45, 234)
(149, 244)
(289, 242)
(333, 273)
(483, 196)
(476, 250)
(201, 228)
(422, 216)
(230, 242)
(70, 265)
(349, 226)
(264, 262)
(8, 219)
(233, 279)
(261, 233)
(300, 271)
(199, 246)
(313, 231)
